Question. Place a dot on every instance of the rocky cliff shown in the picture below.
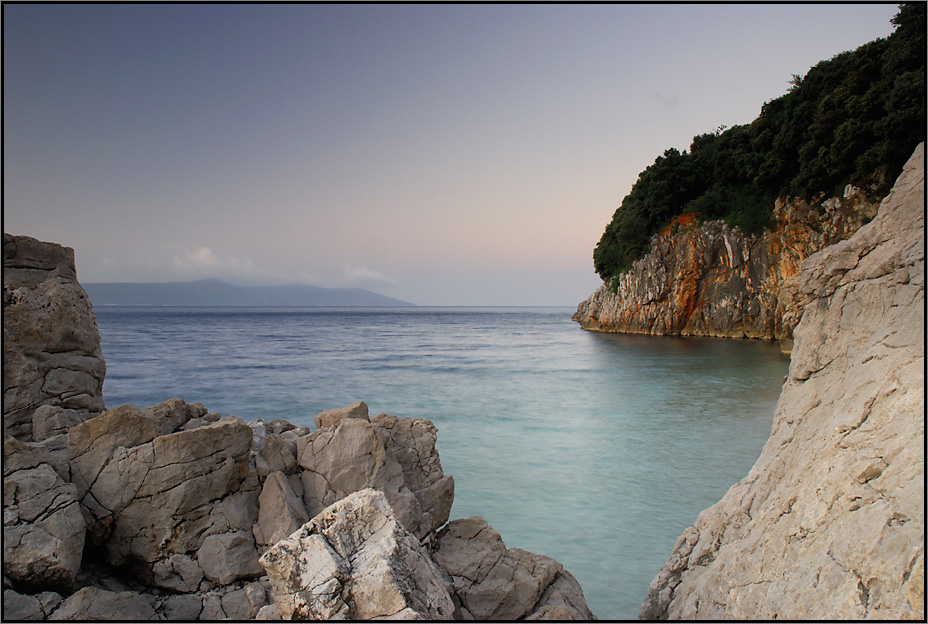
(51, 347)
(706, 279)
(174, 512)
(830, 521)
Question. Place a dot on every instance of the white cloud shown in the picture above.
(363, 277)
(202, 262)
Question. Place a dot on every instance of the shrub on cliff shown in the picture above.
(851, 119)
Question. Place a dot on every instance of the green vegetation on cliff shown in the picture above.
(853, 119)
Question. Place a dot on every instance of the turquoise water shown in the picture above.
(595, 449)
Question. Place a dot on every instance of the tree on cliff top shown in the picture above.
(852, 119)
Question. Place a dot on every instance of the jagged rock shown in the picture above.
(52, 451)
(50, 420)
(43, 530)
(21, 607)
(829, 523)
(331, 418)
(244, 604)
(149, 493)
(275, 455)
(355, 560)
(412, 443)
(710, 280)
(562, 600)
(178, 573)
(493, 582)
(91, 603)
(182, 607)
(351, 457)
(280, 512)
(394, 455)
(51, 346)
(228, 557)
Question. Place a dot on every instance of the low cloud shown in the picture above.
(202, 262)
(176, 264)
(363, 277)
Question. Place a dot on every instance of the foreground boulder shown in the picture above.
(355, 561)
(43, 530)
(829, 523)
(492, 582)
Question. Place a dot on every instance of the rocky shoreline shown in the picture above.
(830, 522)
(707, 279)
(174, 512)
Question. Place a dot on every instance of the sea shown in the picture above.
(595, 449)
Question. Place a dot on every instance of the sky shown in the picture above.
(446, 155)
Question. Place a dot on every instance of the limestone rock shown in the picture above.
(178, 573)
(394, 455)
(91, 603)
(150, 491)
(355, 560)
(43, 530)
(228, 557)
(829, 523)
(50, 420)
(562, 600)
(51, 346)
(280, 511)
(331, 418)
(412, 443)
(493, 582)
(351, 457)
(711, 280)
(21, 607)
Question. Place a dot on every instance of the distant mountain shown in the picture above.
(213, 292)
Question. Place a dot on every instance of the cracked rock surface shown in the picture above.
(829, 523)
(51, 346)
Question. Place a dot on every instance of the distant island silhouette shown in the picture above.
(214, 292)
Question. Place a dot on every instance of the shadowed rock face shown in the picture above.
(829, 523)
(709, 280)
(51, 346)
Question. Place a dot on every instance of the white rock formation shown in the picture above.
(356, 561)
(830, 521)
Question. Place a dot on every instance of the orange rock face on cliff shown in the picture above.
(707, 279)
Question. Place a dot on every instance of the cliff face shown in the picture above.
(829, 523)
(709, 280)
(51, 346)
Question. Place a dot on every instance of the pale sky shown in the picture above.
(440, 154)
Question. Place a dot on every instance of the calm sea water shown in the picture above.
(595, 449)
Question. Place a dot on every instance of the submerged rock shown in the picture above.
(829, 523)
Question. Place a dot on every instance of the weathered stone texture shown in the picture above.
(709, 280)
(43, 530)
(492, 582)
(51, 346)
(355, 560)
(829, 523)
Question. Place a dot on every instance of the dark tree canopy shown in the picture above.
(852, 119)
